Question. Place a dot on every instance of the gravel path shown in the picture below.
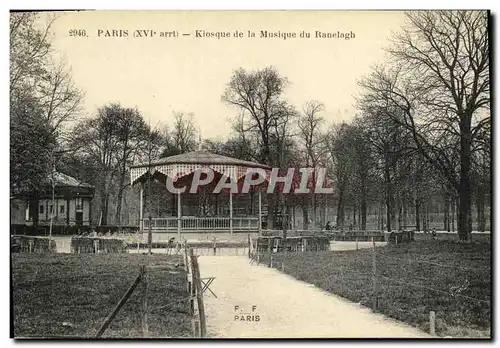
(286, 307)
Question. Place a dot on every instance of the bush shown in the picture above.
(30, 244)
(86, 245)
(310, 243)
(69, 230)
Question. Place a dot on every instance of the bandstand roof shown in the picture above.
(181, 167)
(186, 163)
(202, 157)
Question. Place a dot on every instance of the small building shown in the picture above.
(70, 206)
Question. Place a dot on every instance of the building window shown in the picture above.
(61, 209)
(28, 217)
(51, 209)
(79, 203)
(42, 209)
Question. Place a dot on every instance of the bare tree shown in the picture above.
(132, 134)
(182, 136)
(311, 133)
(282, 149)
(440, 81)
(36, 98)
(32, 67)
(312, 139)
(29, 49)
(96, 141)
(452, 49)
(248, 141)
(154, 138)
(337, 143)
(258, 95)
(184, 132)
(363, 168)
(59, 97)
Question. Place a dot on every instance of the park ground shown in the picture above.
(325, 294)
(259, 302)
(452, 279)
(69, 295)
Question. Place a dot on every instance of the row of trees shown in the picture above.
(436, 92)
(422, 132)
(105, 145)
(43, 100)
(49, 130)
(423, 127)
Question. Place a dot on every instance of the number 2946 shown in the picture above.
(77, 32)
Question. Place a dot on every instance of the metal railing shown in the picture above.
(191, 223)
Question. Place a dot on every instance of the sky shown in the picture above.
(160, 75)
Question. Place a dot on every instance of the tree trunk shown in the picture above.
(405, 212)
(313, 197)
(33, 208)
(464, 208)
(104, 211)
(119, 199)
(381, 216)
(400, 213)
(125, 208)
(423, 216)
(284, 219)
(428, 208)
(363, 212)
(354, 222)
(417, 214)
(305, 217)
(314, 222)
(270, 212)
(447, 211)
(340, 210)
(388, 214)
(389, 198)
(324, 219)
(481, 220)
(454, 214)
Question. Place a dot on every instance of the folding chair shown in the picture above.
(206, 285)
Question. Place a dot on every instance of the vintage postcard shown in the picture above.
(250, 174)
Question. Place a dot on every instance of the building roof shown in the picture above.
(203, 157)
(64, 180)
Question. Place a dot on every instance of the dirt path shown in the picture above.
(285, 306)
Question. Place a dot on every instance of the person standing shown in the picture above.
(434, 234)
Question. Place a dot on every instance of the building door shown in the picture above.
(79, 211)
(79, 218)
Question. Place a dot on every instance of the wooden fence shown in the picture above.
(194, 289)
(292, 244)
(30, 244)
(84, 245)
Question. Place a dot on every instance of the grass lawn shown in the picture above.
(70, 295)
(465, 278)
